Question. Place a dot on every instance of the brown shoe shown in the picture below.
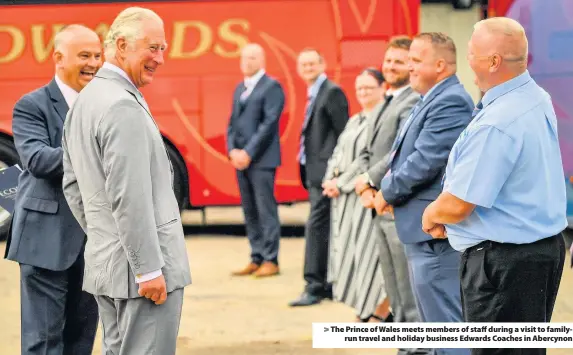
(267, 269)
(248, 270)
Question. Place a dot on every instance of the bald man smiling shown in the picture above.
(503, 200)
(58, 318)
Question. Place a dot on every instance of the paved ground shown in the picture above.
(224, 315)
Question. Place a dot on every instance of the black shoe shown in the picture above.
(306, 299)
(389, 319)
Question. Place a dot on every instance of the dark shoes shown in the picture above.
(377, 319)
(307, 299)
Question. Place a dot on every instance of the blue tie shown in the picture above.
(307, 112)
(402, 132)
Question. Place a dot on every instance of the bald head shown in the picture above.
(77, 54)
(73, 33)
(497, 51)
(504, 36)
(252, 59)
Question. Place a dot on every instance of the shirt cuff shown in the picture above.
(149, 276)
(366, 177)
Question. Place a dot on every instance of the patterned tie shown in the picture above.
(244, 94)
(301, 154)
(402, 132)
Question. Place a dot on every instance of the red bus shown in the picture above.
(191, 95)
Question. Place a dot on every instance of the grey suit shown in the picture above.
(118, 182)
(374, 160)
(45, 239)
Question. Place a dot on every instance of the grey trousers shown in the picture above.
(395, 271)
(138, 326)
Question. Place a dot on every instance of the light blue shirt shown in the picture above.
(312, 92)
(507, 162)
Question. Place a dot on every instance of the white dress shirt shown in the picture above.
(251, 82)
(70, 95)
(153, 274)
(397, 92)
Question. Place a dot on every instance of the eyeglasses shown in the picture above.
(366, 88)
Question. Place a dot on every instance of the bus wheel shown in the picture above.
(8, 157)
(180, 179)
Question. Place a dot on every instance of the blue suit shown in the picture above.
(47, 241)
(418, 162)
(254, 127)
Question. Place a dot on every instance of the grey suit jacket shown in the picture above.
(374, 159)
(350, 144)
(118, 182)
(44, 231)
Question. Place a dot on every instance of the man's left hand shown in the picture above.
(243, 160)
(381, 205)
(437, 231)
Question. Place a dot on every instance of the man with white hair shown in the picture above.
(503, 200)
(118, 181)
(58, 318)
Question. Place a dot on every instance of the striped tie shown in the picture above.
(307, 112)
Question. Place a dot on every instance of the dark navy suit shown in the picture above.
(57, 316)
(254, 127)
(419, 159)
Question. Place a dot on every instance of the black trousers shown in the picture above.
(261, 213)
(503, 282)
(58, 318)
(317, 239)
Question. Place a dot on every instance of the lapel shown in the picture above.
(452, 80)
(256, 89)
(111, 75)
(58, 99)
(319, 98)
(383, 108)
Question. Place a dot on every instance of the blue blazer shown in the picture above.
(44, 232)
(254, 123)
(421, 155)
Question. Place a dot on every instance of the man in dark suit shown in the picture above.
(326, 114)
(417, 163)
(254, 150)
(46, 240)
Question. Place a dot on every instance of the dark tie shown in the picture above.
(477, 109)
(307, 113)
(387, 100)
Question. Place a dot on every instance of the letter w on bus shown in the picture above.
(9, 187)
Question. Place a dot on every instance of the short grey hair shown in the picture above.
(128, 24)
(512, 37)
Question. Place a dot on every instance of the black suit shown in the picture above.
(327, 120)
(254, 127)
(57, 316)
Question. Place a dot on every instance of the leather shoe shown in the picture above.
(267, 269)
(248, 270)
(305, 299)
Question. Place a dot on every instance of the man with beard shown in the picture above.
(57, 316)
(400, 98)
